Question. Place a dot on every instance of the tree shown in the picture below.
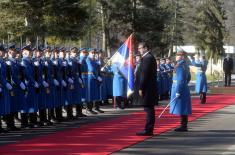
(65, 19)
(210, 28)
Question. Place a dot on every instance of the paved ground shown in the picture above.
(213, 134)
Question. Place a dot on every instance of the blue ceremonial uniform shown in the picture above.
(93, 83)
(159, 82)
(38, 77)
(119, 82)
(47, 72)
(201, 81)
(103, 86)
(4, 95)
(84, 71)
(17, 78)
(56, 92)
(74, 72)
(169, 68)
(32, 96)
(165, 83)
(182, 105)
(63, 64)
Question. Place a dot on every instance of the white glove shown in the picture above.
(64, 84)
(177, 95)
(55, 62)
(64, 63)
(36, 63)
(8, 85)
(45, 84)
(70, 81)
(70, 63)
(0, 90)
(56, 83)
(46, 63)
(36, 85)
(8, 63)
(102, 69)
(99, 79)
(22, 86)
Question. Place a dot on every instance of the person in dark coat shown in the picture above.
(228, 68)
(148, 88)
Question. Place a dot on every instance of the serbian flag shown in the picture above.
(123, 59)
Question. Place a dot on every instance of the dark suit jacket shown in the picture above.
(228, 65)
(148, 80)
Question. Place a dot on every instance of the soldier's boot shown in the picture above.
(1, 129)
(97, 107)
(33, 120)
(69, 110)
(43, 117)
(16, 117)
(51, 116)
(79, 111)
(184, 124)
(89, 107)
(59, 114)
(11, 123)
(106, 102)
(24, 120)
(203, 98)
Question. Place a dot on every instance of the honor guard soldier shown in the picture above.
(5, 89)
(62, 69)
(119, 87)
(94, 80)
(13, 71)
(180, 93)
(170, 69)
(56, 112)
(44, 86)
(82, 61)
(159, 79)
(201, 80)
(74, 73)
(103, 97)
(165, 87)
(30, 70)
(48, 87)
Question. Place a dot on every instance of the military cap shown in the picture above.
(26, 47)
(18, 50)
(11, 46)
(82, 49)
(92, 49)
(2, 48)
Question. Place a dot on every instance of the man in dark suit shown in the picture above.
(148, 87)
(228, 68)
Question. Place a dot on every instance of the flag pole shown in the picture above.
(110, 59)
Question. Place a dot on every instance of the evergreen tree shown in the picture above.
(210, 28)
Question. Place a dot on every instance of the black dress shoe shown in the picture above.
(81, 115)
(3, 130)
(181, 129)
(99, 111)
(92, 112)
(13, 128)
(53, 120)
(144, 133)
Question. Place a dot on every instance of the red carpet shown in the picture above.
(107, 136)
